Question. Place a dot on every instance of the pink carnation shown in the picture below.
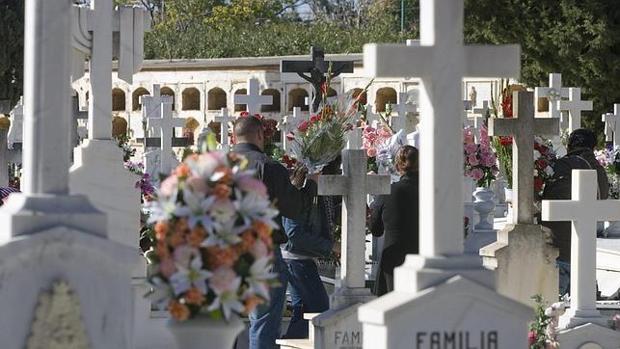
(371, 152)
(477, 174)
(259, 249)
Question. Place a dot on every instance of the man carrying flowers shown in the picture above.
(291, 202)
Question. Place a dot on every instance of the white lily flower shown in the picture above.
(260, 275)
(252, 207)
(185, 278)
(163, 209)
(228, 300)
(160, 294)
(196, 211)
(225, 235)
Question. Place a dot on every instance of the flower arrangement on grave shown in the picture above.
(544, 156)
(480, 161)
(503, 144)
(609, 158)
(213, 248)
(145, 184)
(543, 330)
(123, 142)
(381, 145)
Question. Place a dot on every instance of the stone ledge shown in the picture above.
(295, 344)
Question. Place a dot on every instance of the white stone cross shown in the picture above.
(441, 61)
(554, 93)
(253, 100)
(354, 138)
(481, 114)
(574, 106)
(402, 108)
(16, 131)
(584, 210)
(166, 124)
(353, 185)
(612, 125)
(288, 125)
(522, 128)
(372, 118)
(224, 118)
(77, 115)
(151, 104)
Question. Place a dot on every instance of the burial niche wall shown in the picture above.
(385, 95)
(135, 98)
(118, 100)
(297, 98)
(216, 99)
(356, 92)
(191, 99)
(240, 107)
(275, 106)
(167, 91)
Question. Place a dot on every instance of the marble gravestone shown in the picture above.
(554, 93)
(583, 324)
(574, 106)
(48, 236)
(253, 100)
(523, 261)
(400, 121)
(442, 296)
(612, 126)
(224, 119)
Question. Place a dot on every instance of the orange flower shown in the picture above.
(217, 257)
(178, 311)
(194, 296)
(181, 226)
(222, 191)
(161, 229)
(263, 230)
(247, 240)
(252, 302)
(196, 236)
(177, 239)
(225, 174)
(162, 250)
(182, 171)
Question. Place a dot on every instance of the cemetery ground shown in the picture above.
(127, 221)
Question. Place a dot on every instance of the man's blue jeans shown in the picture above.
(564, 270)
(266, 320)
(308, 295)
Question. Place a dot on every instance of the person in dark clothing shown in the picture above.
(291, 202)
(580, 156)
(396, 216)
(309, 238)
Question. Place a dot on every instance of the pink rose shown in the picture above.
(259, 249)
(250, 184)
(477, 174)
(223, 280)
(169, 185)
(470, 148)
(303, 126)
(473, 160)
(371, 152)
(167, 267)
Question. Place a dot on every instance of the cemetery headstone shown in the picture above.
(402, 108)
(426, 284)
(16, 131)
(317, 69)
(523, 261)
(610, 123)
(48, 235)
(224, 119)
(574, 106)
(554, 93)
(582, 323)
(166, 125)
(253, 100)
(77, 115)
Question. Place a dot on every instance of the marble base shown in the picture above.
(337, 329)
(589, 336)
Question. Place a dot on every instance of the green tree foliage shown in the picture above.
(11, 53)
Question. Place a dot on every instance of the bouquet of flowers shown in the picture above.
(544, 156)
(381, 145)
(610, 160)
(480, 159)
(213, 247)
(320, 140)
(144, 183)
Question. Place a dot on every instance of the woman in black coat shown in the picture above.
(396, 216)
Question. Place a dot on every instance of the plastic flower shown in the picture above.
(193, 276)
(252, 207)
(228, 299)
(260, 275)
(195, 210)
(160, 293)
(227, 234)
(249, 184)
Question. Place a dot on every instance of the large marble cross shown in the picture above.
(151, 104)
(16, 131)
(554, 93)
(224, 118)
(522, 128)
(574, 106)
(318, 67)
(584, 210)
(402, 108)
(354, 138)
(166, 124)
(441, 61)
(353, 185)
(253, 100)
(612, 126)
(77, 115)
(288, 125)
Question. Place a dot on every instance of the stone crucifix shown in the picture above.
(441, 60)
(584, 210)
(554, 93)
(574, 106)
(166, 124)
(288, 125)
(481, 114)
(317, 69)
(522, 128)
(253, 100)
(402, 108)
(224, 118)
(612, 126)
(353, 185)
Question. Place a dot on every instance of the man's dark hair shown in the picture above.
(248, 126)
(582, 138)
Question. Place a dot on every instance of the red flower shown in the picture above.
(303, 126)
(314, 118)
(324, 88)
(541, 163)
(538, 184)
(505, 141)
(531, 338)
(244, 114)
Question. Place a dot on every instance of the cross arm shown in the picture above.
(546, 126)
(393, 60)
(378, 185)
(582, 105)
(333, 185)
(559, 210)
(502, 126)
(296, 66)
(493, 61)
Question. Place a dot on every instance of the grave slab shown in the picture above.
(589, 336)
